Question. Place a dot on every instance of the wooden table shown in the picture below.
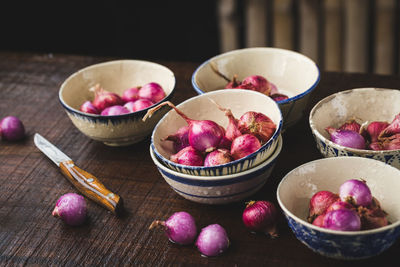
(31, 183)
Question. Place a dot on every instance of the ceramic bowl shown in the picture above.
(219, 189)
(364, 104)
(294, 75)
(115, 76)
(298, 186)
(201, 108)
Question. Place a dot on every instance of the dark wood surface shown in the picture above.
(30, 183)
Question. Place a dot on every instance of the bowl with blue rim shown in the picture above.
(115, 76)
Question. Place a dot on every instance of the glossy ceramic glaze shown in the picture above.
(363, 104)
(219, 189)
(294, 75)
(202, 108)
(298, 186)
(114, 76)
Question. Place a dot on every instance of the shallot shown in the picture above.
(137, 105)
(88, 107)
(71, 208)
(393, 127)
(257, 83)
(180, 139)
(188, 156)
(351, 125)
(104, 99)
(131, 94)
(261, 216)
(347, 138)
(152, 91)
(114, 110)
(12, 129)
(258, 124)
(342, 220)
(180, 228)
(217, 157)
(244, 145)
(356, 192)
(204, 135)
(375, 128)
(212, 240)
(320, 202)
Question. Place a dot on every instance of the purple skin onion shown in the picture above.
(346, 138)
(12, 129)
(257, 83)
(104, 99)
(131, 94)
(71, 208)
(339, 205)
(355, 192)
(258, 124)
(261, 216)
(320, 202)
(114, 110)
(393, 127)
(88, 107)
(152, 91)
(180, 139)
(217, 157)
(244, 145)
(180, 228)
(212, 240)
(342, 220)
(188, 156)
(137, 105)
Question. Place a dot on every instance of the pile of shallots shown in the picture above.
(133, 99)
(353, 209)
(376, 135)
(206, 143)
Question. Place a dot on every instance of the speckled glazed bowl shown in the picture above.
(219, 189)
(294, 75)
(298, 186)
(364, 104)
(201, 108)
(115, 76)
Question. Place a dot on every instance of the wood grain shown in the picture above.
(31, 184)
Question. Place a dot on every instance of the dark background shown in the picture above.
(154, 30)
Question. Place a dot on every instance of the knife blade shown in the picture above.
(85, 182)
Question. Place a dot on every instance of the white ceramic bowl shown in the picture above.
(294, 74)
(365, 104)
(298, 186)
(115, 76)
(219, 189)
(201, 108)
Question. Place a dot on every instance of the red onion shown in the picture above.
(346, 138)
(319, 220)
(88, 107)
(180, 228)
(320, 202)
(244, 145)
(137, 105)
(131, 94)
(261, 216)
(217, 157)
(212, 240)
(342, 220)
(257, 83)
(180, 139)
(375, 128)
(152, 91)
(351, 125)
(71, 208)
(232, 130)
(393, 128)
(257, 124)
(356, 192)
(104, 99)
(12, 129)
(338, 205)
(279, 97)
(188, 156)
(114, 110)
(234, 83)
(204, 135)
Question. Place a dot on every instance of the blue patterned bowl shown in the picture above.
(298, 186)
(219, 189)
(363, 104)
(114, 76)
(201, 108)
(293, 73)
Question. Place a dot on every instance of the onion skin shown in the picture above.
(12, 129)
(258, 124)
(320, 202)
(152, 91)
(355, 192)
(71, 208)
(342, 220)
(261, 216)
(114, 110)
(244, 145)
(131, 94)
(212, 240)
(180, 228)
(88, 107)
(375, 128)
(188, 156)
(217, 157)
(279, 97)
(351, 125)
(393, 127)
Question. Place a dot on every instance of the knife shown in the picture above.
(85, 182)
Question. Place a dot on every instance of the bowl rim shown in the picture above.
(281, 50)
(266, 162)
(112, 62)
(329, 231)
(200, 168)
(325, 140)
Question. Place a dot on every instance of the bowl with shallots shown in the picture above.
(344, 208)
(107, 101)
(363, 122)
(217, 133)
(286, 76)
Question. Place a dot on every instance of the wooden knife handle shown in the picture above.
(91, 187)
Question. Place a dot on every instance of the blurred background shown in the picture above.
(340, 35)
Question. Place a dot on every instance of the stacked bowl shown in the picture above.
(229, 182)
